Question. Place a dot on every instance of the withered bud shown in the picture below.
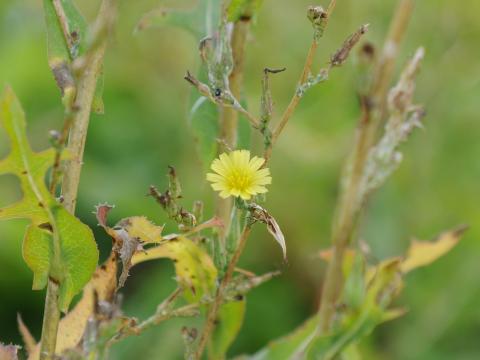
(318, 17)
(341, 54)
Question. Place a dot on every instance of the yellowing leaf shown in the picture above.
(139, 227)
(422, 253)
(72, 326)
(194, 268)
(56, 244)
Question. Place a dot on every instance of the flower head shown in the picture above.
(238, 175)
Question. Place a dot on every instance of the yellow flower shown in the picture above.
(238, 175)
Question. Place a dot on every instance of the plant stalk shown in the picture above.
(228, 115)
(51, 319)
(79, 119)
(349, 207)
(213, 310)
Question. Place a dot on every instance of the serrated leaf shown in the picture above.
(195, 270)
(203, 119)
(242, 8)
(228, 324)
(50, 222)
(73, 325)
(423, 253)
(199, 20)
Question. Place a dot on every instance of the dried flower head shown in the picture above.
(238, 175)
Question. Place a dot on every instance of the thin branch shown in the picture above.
(348, 209)
(213, 310)
(323, 17)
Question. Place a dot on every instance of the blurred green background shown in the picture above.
(144, 129)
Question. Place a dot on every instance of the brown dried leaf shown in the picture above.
(422, 253)
(262, 215)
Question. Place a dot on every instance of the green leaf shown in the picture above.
(288, 346)
(200, 20)
(229, 322)
(242, 8)
(195, 270)
(204, 122)
(77, 256)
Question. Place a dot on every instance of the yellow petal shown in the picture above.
(256, 163)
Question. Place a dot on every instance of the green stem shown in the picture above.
(213, 310)
(51, 319)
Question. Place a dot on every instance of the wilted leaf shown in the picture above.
(195, 270)
(72, 327)
(228, 324)
(50, 222)
(262, 215)
(129, 235)
(139, 227)
(422, 253)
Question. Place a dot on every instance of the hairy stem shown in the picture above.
(213, 310)
(349, 208)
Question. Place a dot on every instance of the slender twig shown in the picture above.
(164, 312)
(348, 209)
(213, 310)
